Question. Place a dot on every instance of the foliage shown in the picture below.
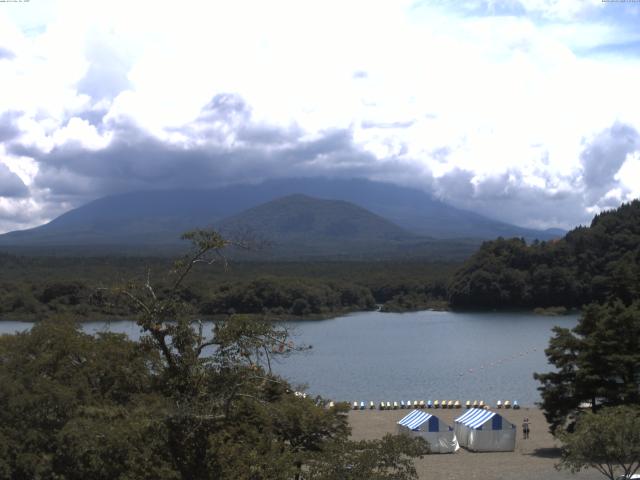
(182, 403)
(39, 287)
(597, 362)
(289, 296)
(389, 457)
(608, 441)
(588, 265)
(62, 391)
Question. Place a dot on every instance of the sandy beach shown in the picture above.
(532, 459)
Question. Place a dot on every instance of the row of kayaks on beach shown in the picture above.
(430, 404)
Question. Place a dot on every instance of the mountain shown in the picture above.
(156, 219)
(300, 225)
(302, 218)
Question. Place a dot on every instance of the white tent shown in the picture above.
(482, 430)
(440, 436)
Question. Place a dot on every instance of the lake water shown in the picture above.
(408, 356)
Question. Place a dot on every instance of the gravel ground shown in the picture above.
(532, 459)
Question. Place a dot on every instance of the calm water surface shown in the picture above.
(419, 355)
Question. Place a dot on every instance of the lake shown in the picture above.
(410, 356)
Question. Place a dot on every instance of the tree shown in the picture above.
(182, 403)
(608, 441)
(387, 458)
(76, 405)
(597, 363)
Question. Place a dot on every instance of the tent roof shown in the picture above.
(415, 419)
(475, 417)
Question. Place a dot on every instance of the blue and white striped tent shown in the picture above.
(482, 430)
(441, 437)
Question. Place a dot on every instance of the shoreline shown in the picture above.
(532, 459)
(314, 317)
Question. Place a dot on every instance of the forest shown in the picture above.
(38, 287)
(590, 264)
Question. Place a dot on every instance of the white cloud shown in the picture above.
(629, 177)
(513, 96)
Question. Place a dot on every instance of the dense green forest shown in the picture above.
(590, 264)
(41, 287)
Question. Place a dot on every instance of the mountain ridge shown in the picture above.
(158, 218)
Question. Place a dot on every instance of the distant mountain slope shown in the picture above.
(300, 217)
(589, 264)
(158, 217)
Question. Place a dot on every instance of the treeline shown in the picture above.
(590, 264)
(41, 287)
(283, 296)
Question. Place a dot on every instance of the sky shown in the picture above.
(527, 111)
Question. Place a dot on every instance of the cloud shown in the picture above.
(6, 54)
(223, 145)
(10, 184)
(511, 198)
(604, 155)
(8, 128)
(518, 109)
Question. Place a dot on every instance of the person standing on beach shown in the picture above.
(525, 428)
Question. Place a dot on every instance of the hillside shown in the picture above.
(307, 221)
(302, 227)
(156, 219)
(589, 264)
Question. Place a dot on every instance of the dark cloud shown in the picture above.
(11, 186)
(455, 184)
(603, 156)
(8, 128)
(234, 150)
(6, 54)
(508, 197)
(94, 117)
